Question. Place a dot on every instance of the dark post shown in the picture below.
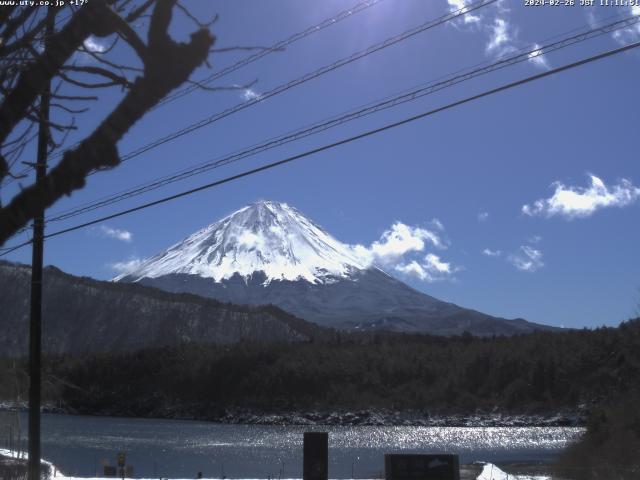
(35, 324)
(121, 463)
(316, 456)
(421, 467)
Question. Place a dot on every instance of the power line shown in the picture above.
(309, 76)
(275, 47)
(359, 7)
(7, 251)
(305, 78)
(360, 136)
(524, 55)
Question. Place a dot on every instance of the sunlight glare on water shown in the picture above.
(179, 449)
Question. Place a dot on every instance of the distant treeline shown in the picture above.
(535, 373)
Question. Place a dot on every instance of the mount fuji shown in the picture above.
(270, 253)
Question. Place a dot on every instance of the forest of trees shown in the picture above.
(536, 373)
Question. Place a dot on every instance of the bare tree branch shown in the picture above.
(167, 65)
(79, 98)
(80, 83)
(93, 70)
(197, 22)
(135, 14)
(88, 20)
(74, 111)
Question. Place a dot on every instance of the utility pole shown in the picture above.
(35, 323)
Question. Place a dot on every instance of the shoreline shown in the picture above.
(472, 471)
(379, 418)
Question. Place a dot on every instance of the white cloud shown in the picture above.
(126, 266)
(491, 253)
(482, 216)
(537, 58)
(95, 45)
(591, 17)
(631, 34)
(431, 269)
(249, 94)
(412, 269)
(122, 235)
(578, 202)
(534, 239)
(434, 264)
(527, 259)
(398, 249)
(501, 37)
(91, 44)
(461, 5)
(401, 239)
(502, 32)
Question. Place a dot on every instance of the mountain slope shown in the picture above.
(268, 252)
(270, 237)
(85, 315)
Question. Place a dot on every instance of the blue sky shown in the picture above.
(533, 194)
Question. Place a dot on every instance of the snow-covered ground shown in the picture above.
(25, 456)
(489, 472)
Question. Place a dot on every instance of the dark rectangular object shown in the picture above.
(110, 471)
(316, 456)
(421, 467)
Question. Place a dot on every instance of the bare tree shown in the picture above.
(30, 59)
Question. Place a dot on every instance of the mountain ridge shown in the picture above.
(270, 253)
(82, 315)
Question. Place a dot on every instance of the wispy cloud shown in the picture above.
(437, 224)
(536, 57)
(527, 259)
(483, 216)
(491, 253)
(500, 37)
(109, 232)
(249, 94)
(402, 248)
(456, 5)
(623, 36)
(592, 20)
(631, 34)
(580, 202)
(125, 266)
(501, 32)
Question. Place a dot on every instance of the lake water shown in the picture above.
(80, 445)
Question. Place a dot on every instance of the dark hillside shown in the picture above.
(82, 315)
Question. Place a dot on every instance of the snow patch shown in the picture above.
(265, 236)
(491, 472)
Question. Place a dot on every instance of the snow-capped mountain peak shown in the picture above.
(266, 236)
